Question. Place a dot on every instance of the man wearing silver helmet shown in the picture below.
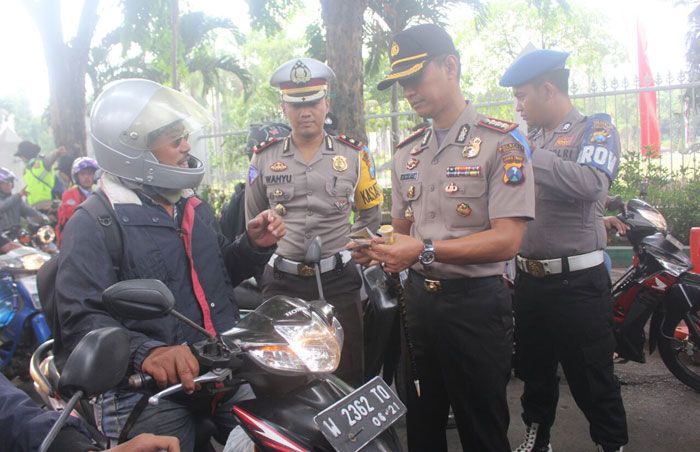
(140, 131)
(314, 180)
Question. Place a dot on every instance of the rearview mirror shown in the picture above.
(141, 299)
(313, 254)
(98, 363)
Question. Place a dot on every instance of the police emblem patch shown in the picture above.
(513, 173)
(278, 166)
(300, 73)
(253, 174)
(511, 147)
(277, 193)
(463, 209)
(340, 163)
(412, 163)
(566, 140)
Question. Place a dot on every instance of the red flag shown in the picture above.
(648, 121)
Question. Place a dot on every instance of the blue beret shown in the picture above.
(531, 65)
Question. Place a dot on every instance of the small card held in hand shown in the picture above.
(362, 237)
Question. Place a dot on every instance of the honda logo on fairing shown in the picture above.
(659, 285)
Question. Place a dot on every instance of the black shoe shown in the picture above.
(610, 448)
(536, 439)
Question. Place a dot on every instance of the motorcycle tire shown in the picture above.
(672, 351)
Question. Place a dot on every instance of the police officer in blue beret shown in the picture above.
(562, 289)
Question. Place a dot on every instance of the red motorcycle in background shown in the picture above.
(659, 285)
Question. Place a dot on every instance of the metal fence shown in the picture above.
(677, 111)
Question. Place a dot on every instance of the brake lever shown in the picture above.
(211, 376)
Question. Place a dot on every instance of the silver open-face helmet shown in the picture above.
(128, 116)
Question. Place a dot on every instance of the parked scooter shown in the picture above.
(658, 285)
(22, 324)
(285, 349)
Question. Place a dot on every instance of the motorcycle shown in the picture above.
(22, 323)
(35, 236)
(285, 349)
(659, 285)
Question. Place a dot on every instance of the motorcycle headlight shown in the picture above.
(46, 234)
(33, 262)
(311, 347)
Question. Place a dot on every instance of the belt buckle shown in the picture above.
(432, 286)
(306, 270)
(535, 268)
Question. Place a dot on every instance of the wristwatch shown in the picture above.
(427, 256)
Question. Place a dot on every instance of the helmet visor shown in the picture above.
(168, 113)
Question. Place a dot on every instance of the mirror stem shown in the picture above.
(318, 283)
(192, 324)
(60, 422)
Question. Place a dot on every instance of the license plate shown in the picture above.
(358, 418)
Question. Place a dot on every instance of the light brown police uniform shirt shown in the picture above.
(570, 187)
(478, 173)
(316, 197)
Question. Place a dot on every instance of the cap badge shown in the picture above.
(300, 73)
(278, 166)
(340, 163)
(412, 163)
(394, 49)
(472, 149)
(463, 209)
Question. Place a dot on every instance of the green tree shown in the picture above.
(66, 63)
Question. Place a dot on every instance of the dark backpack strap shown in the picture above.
(99, 208)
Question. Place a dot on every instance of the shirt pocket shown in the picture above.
(340, 194)
(464, 204)
(280, 194)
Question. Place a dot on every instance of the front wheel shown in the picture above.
(680, 352)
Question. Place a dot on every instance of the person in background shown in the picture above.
(40, 181)
(83, 176)
(12, 206)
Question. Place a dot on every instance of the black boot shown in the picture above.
(609, 448)
(536, 439)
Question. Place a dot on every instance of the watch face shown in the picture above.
(427, 257)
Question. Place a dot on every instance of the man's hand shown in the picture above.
(615, 223)
(171, 365)
(399, 255)
(360, 255)
(147, 442)
(265, 229)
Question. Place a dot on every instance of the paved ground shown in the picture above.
(662, 413)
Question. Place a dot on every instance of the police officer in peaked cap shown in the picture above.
(315, 181)
(562, 288)
(462, 192)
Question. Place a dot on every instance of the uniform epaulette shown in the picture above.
(264, 145)
(412, 137)
(498, 125)
(353, 143)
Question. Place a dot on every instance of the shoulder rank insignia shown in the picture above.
(264, 145)
(498, 125)
(353, 143)
(411, 137)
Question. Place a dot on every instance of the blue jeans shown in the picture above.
(169, 417)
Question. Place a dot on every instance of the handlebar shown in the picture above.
(141, 380)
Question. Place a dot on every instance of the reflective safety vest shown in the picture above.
(39, 181)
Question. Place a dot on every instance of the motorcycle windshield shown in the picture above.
(667, 254)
